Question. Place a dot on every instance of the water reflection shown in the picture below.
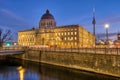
(35, 71)
(21, 71)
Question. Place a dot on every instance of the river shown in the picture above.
(23, 70)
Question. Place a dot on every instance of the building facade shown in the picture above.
(117, 42)
(56, 36)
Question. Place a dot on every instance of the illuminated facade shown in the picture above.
(117, 42)
(56, 36)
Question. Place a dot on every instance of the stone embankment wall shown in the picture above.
(99, 63)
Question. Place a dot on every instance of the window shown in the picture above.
(75, 29)
(71, 29)
(62, 33)
(75, 33)
(71, 33)
(65, 38)
(65, 33)
(68, 33)
(58, 34)
(75, 38)
(71, 38)
(68, 38)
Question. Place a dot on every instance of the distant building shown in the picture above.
(49, 34)
(117, 42)
(118, 36)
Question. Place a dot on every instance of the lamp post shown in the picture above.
(107, 26)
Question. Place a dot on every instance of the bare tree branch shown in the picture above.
(5, 36)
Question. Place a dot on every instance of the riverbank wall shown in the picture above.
(97, 63)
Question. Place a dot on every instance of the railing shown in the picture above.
(112, 51)
(11, 48)
(108, 51)
(11, 51)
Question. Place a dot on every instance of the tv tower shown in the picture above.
(94, 23)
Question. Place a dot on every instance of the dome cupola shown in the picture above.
(47, 15)
(47, 20)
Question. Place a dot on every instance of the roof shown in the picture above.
(47, 15)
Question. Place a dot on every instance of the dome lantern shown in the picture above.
(47, 11)
(47, 15)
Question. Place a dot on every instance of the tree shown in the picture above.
(5, 36)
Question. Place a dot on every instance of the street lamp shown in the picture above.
(107, 26)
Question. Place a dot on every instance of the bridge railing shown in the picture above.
(11, 48)
(113, 51)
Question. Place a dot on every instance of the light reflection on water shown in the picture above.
(22, 70)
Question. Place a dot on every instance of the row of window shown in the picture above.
(70, 38)
(68, 43)
(26, 35)
(58, 38)
(67, 33)
(59, 33)
(27, 40)
(27, 44)
(26, 32)
(67, 29)
(47, 24)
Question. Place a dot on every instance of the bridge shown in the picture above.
(11, 52)
(102, 51)
(8, 51)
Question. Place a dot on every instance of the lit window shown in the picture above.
(75, 33)
(65, 33)
(75, 29)
(22, 36)
(75, 38)
(68, 33)
(71, 38)
(68, 38)
(71, 33)
(62, 33)
(65, 38)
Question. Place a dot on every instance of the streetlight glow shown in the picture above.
(106, 25)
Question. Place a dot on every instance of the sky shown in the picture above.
(24, 14)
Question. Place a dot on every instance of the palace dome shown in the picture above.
(47, 20)
(47, 15)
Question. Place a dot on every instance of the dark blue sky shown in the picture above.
(23, 14)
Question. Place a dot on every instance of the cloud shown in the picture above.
(12, 15)
(10, 19)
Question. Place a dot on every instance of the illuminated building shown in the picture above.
(117, 42)
(56, 36)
